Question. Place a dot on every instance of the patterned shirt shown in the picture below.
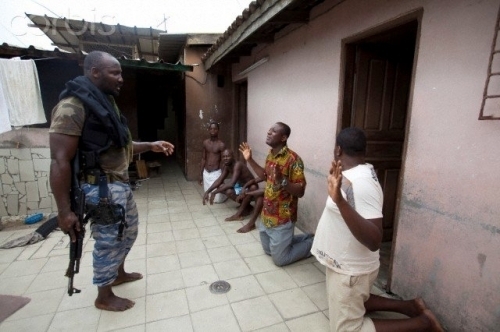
(280, 206)
(68, 117)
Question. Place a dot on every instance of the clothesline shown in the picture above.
(23, 57)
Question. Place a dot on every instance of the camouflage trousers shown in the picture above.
(109, 252)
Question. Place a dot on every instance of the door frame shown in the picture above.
(346, 87)
(240, 114)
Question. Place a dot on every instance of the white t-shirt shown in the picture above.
(334, 245)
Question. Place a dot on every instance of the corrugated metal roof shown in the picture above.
(172, 45)
(118, 40)
(7, 51)
(31, 52)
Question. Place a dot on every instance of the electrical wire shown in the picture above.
(196, 80)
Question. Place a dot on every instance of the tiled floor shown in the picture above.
(183, 247)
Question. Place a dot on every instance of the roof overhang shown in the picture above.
(161, 66)
(258, 24)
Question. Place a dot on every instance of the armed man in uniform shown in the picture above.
(87, 121)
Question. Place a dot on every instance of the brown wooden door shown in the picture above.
(379, 106)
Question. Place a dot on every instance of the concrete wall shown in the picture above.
(448, 229)
(205, 102)
(24, 173)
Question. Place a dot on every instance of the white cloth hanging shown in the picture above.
(19, 79)
(4, 112)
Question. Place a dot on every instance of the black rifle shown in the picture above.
(77, 198)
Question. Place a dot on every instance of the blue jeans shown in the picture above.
(285, 248)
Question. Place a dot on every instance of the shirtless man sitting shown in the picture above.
(210, 169)
(240, 174)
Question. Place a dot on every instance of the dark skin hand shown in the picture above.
(245, 190)
(367, 231)
(216, 184)
(246, 151)
(158, 146)
(295, 189)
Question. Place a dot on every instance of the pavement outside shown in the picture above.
(182, 248)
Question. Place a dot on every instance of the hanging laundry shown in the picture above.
(19, 79)
(4, 112)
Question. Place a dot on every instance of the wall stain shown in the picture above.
(316, 173)
(464, 221)
(490, 228)
(481, 258)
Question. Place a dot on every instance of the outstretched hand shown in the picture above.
(162, 146)
(246, 151)
(335, 181)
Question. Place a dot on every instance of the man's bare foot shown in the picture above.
(435, 325)
(247, 228)
(113, 303)
(234, 218)
(127, 277)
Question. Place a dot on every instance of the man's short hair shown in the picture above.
(286, 129)
(352, 141)
(213, 123)
(93, 59)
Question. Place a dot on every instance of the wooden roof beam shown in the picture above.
(291, 16)
(259, 39)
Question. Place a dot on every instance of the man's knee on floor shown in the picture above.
(278, 261)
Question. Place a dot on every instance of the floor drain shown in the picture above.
(220, 287)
